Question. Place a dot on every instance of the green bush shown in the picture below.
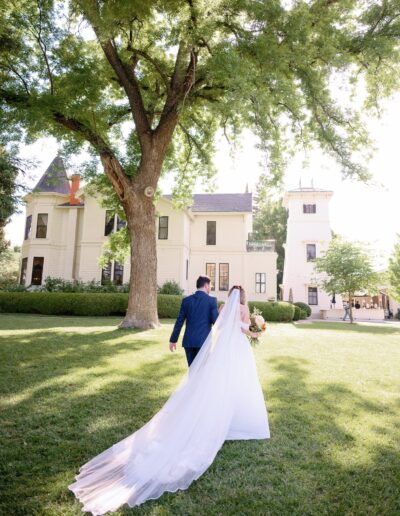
(73, 303)
(297, 313)
(11, 287)
(171, 288)
(303, 314)
(278, 311)
(168, 306)
(61, 285)
(305, 307)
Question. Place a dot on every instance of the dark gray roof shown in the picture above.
(54, 179)
(240, 202)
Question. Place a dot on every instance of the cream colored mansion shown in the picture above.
(66, 229)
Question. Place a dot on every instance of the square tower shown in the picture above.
(308, 235)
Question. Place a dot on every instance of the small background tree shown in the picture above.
(347, 268)
(9, 266)
(10, 193)
(270, 222)
(394, 270)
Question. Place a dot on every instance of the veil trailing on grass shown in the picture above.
(181, 441)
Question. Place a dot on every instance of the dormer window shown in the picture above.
(309, 208)
(41, 226)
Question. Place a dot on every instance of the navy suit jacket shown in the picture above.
(200, 312)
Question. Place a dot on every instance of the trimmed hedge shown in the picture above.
(305, 307)
(97, 304)
(80, 303)
(275, 311)
(168, 306)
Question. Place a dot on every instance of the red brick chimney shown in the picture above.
(75, 178)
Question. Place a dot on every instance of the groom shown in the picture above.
(200, 311)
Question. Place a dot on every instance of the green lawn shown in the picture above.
(73, 386)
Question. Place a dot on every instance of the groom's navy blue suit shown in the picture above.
(200, 312)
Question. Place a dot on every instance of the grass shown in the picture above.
(73, 386)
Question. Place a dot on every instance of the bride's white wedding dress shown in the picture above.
(220, 398)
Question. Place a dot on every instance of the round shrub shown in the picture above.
(171, 288)
(303, 314)
(305, 307)
(297, 313)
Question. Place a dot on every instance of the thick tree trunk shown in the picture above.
(137, 199)
(142, 305)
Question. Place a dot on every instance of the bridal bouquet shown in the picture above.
(257, 325)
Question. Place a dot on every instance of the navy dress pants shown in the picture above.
(191, 354)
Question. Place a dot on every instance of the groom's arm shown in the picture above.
(178, 324)
(214, 310)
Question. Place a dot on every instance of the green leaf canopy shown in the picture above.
(109, 72)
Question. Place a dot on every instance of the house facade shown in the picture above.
(66, 229)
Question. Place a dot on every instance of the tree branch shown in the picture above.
(182, 82)
(112, 167)
(156, 65)
(117, 117)
(14, 71)
(43, 49)
(131, 88)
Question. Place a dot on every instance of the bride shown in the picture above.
(219, 399)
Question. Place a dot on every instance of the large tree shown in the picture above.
(394, 270)
(10, 193)
(346, 268)
(145, 84)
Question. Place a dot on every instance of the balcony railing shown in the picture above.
(264, 246)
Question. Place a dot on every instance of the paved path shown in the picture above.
(389, 322)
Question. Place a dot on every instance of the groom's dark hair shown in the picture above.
(202, 280)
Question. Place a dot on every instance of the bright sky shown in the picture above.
(369, 213)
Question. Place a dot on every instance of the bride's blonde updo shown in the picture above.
(242, 293)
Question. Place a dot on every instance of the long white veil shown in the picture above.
(181, 441)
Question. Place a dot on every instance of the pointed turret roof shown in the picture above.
(54, 179)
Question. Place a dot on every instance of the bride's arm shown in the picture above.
(245, 317)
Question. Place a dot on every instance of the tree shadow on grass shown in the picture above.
(298, 471)
(32, 359)
(32, 321)
(57, 427)
(48, 436)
